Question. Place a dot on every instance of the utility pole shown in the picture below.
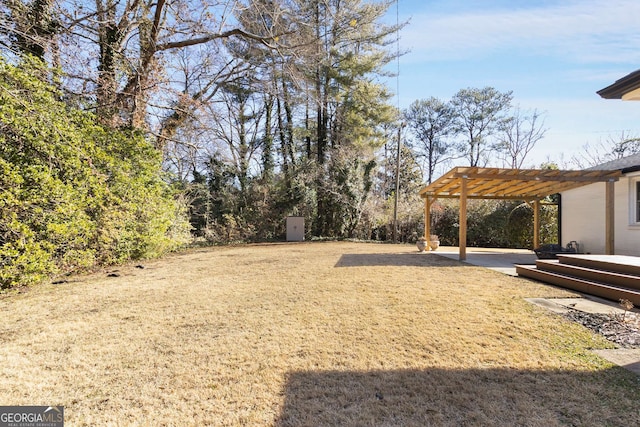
(395, 202)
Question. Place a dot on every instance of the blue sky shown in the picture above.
(553, 55)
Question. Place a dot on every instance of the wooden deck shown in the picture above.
(609, 276)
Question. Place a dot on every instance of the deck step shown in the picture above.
(592, 287)
(590, 273)
(622, 264)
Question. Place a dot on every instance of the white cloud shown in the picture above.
(585, 31)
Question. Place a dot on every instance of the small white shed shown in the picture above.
(295, 229)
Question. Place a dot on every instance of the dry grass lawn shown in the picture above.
(312, 334)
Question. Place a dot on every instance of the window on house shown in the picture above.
(637, 201)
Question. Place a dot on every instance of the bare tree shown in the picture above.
(29, 27)
(604, 151)
(118, 55)
(518, 134)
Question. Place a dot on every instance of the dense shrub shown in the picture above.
(494, 223)
(74, 193)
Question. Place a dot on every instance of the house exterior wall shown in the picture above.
(583, 217)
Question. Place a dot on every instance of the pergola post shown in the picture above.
(609, 234)
(427, 217)
(462, 232)
(536, 223)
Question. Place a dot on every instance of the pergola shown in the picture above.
(531, 185)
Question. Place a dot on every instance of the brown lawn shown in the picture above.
(312, 334)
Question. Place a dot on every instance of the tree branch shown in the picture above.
(210, 37)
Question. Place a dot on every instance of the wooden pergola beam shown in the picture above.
(538, 178)
(529, 185)
(524, 198)
(445, 187)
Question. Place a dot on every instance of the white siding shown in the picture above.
(583, 218)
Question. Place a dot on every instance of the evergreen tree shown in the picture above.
(479, 114)
(432, 122)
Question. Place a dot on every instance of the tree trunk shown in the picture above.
(267, 148)
(109, 39)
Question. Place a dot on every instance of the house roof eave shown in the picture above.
(631, 169)
(621, 87)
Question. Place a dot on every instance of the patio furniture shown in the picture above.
(551, 250)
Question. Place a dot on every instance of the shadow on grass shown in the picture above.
(403, 259)
(478, 397)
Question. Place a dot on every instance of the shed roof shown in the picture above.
(520, 184)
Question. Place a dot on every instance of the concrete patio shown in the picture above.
(498, 259)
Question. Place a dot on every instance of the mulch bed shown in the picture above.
(623, 330)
